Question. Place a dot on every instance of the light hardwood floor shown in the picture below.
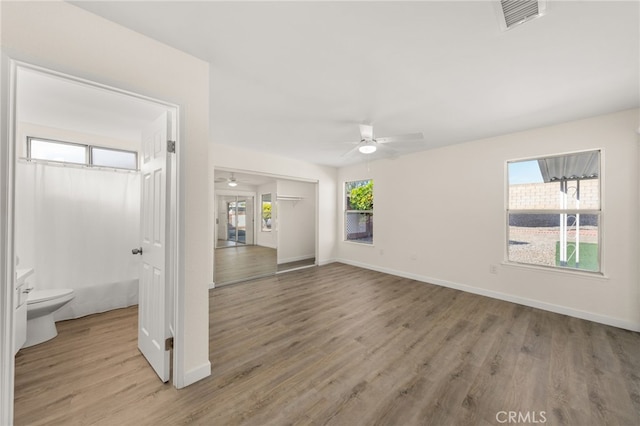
(341, 345)
(233, 264)
(240, 263)
(304, 263)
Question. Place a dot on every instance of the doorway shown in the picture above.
(93, 120)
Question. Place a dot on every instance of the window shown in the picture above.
(266, 212)
(554, 211)
(358, 218)
(106, 157)
(57, 151)
(88, 155)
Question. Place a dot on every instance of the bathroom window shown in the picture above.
(88, 155)
(107, 157)
(64, 152)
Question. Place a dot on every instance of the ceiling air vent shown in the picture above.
(516, 12)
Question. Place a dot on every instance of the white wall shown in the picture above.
(229, 157)
(62, 37)
(296, 221)
(451, 244)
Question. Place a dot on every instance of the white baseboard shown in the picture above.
(196, 374)
(590, 316)
(322, 262)
(212, 285)
(272, 246)
(295, 259)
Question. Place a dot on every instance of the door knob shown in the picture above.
(137, 251)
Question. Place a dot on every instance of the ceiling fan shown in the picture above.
(369, 143)
(231, 181)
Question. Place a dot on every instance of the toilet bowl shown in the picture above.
(41, 304)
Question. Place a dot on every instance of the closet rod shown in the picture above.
(288, 198)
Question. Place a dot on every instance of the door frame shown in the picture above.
(175, 247)
(7, 265)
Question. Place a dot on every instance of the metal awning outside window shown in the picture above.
(581, 165)
(562, 169)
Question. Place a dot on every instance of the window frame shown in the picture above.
(264, 227)
(30, 139)
(88, 151)
(599, 212)
(104, 148)
(348, 212)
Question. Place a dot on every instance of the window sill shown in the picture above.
(575, 272)
(358, 243)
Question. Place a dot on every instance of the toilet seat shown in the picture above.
(39, 296)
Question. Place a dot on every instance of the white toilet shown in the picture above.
(41, 304)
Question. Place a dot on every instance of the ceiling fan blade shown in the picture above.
(402, 138)
(366, 132)
(386, 150)
(351, 151)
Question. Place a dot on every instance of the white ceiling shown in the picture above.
(296, 78)
(246, 181)
(50, 101)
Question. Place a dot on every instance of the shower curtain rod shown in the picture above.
(75, 165)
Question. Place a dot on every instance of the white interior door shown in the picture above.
(152, 313)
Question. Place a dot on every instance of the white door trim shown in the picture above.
(7, 162)
(8, 67)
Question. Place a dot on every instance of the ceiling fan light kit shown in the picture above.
(369, 143)
(367, 148)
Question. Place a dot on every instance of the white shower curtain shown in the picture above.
(76, 227)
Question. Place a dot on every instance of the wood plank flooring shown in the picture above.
(233, 264)
(340, 345)
(283, 267)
